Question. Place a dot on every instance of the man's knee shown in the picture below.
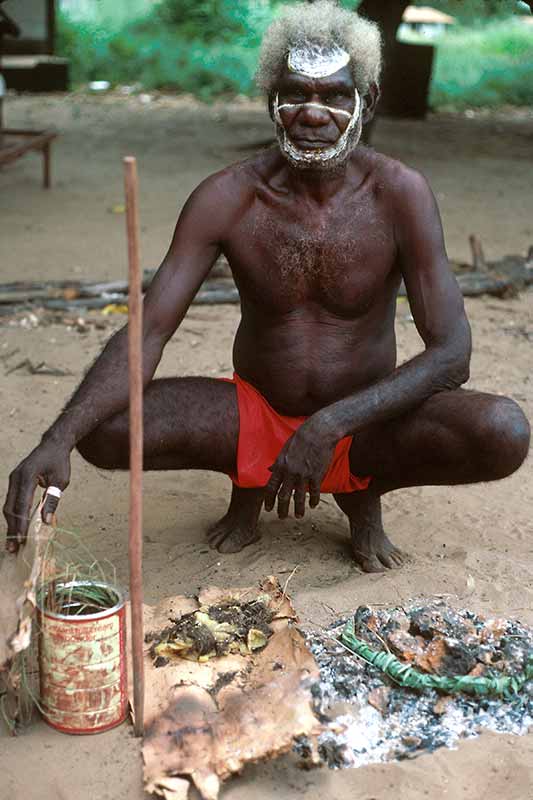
(102, 448)
(503, 437)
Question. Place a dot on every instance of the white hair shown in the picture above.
(323, 23)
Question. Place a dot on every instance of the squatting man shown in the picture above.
(319, 232)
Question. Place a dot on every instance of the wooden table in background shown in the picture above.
(15, 143)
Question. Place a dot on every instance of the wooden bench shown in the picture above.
(15, 143)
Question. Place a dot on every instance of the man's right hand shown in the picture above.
(47, 465)
(197, 242)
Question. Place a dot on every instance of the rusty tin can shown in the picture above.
(82, 660)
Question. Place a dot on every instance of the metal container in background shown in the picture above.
(82, 661)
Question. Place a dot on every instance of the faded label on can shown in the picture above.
(83, 672)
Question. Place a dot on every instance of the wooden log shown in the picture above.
(89, 303)
(476, 284)
(497, 278)
(14, 286)
(210, 297)
(27, 292)
(472, 284)
(135, 337)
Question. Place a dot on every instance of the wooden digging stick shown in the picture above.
(136, 439)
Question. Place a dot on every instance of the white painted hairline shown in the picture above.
(317, 61)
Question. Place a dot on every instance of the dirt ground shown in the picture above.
(474, 544)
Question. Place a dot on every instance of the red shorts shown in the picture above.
(262, 434)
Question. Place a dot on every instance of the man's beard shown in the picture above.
(322, 159)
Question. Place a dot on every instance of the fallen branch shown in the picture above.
(42, 368)
(34, 291)
(208, 296)
(502, 278)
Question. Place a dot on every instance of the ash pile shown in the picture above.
(377, 720)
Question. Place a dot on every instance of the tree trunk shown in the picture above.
(404, 65)
(388, 15)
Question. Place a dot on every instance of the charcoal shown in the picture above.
(406, 723)
(364, 624)
(459, 659)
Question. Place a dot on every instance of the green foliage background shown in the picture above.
(210, 47)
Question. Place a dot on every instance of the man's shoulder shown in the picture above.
(222, 197)
(391, 175)
(237, 181)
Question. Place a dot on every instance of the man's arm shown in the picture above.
(104, 391)
(438, 311)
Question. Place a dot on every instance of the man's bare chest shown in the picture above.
(283, 258)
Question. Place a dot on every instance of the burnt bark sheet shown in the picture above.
(205, 721)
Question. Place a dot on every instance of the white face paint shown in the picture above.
(322, 157)
(320, 106)
(317, 61)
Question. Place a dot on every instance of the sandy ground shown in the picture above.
(474, 544)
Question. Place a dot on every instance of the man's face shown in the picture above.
(318, 119)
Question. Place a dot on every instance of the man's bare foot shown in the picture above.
(372, 549)
(238, 527)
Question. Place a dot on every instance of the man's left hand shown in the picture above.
(300, 468)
